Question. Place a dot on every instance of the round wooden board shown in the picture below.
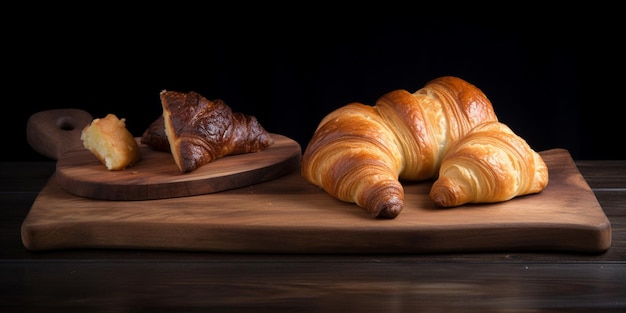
(156, 176)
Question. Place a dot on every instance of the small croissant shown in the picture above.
(489, 164)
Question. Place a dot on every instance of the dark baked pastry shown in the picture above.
(155, 137)
(199, 130)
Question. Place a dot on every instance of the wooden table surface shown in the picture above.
(105, 280)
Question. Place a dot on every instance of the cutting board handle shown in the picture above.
(53, 132)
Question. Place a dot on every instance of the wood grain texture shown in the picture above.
(54, 132)
(289, 215)
(261, 286)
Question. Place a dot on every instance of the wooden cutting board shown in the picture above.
(56, 134)
(289, 215)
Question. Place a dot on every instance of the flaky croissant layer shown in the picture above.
(359, 153)
(490, 164)
(354, 156)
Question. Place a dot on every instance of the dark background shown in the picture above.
(554, 75)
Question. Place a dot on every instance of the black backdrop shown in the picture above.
(555, 77)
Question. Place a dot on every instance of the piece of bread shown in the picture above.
(111, 142)
(200, 131)
(360, 153)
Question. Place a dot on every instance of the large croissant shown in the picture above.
(199, 131)
(490, 164)
(359, 153)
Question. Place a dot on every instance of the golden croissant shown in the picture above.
(360, 153)
(490, 164)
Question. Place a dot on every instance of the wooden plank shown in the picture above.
(293, 285)
(289, 215)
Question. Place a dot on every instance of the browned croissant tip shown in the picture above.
(389, 211)
(386, 202)
(447, 193)
(443, 197)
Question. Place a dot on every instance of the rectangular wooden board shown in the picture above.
(289, 215)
